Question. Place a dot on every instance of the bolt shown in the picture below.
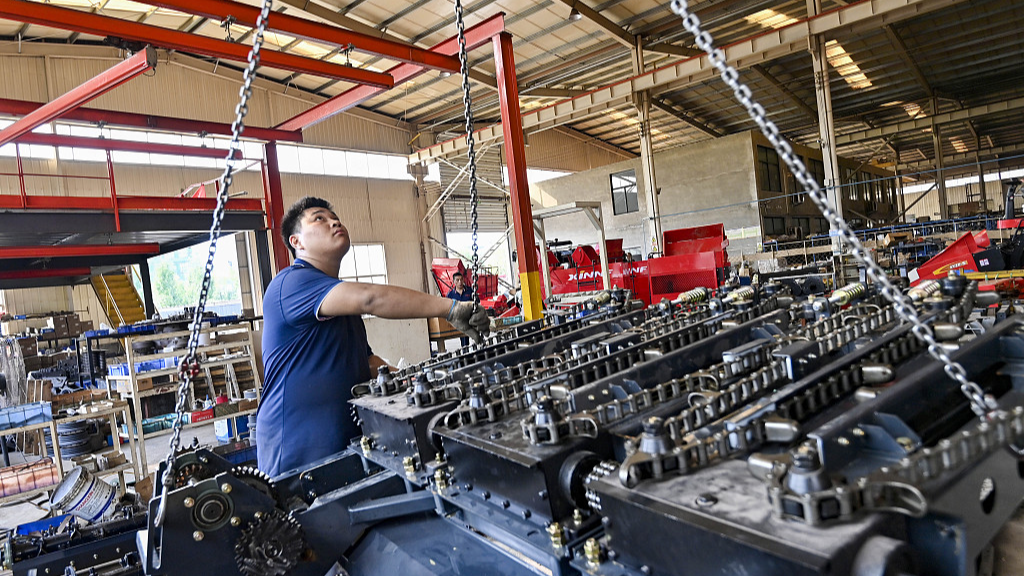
(197, 535)
(95, 556)
(225, 488)
(236, 521)
(486, 495)
(527, 514)
(311, 494)
(505, 503)
(843, 441)
(188, 502)
(577, 516)
(859, 432)
(307, 477)
(555, 532)
(366, 444)
(409, 464)
(906, 443)
(592, 550)
(441, 479)
(258, 515)
(645, 569)
(706, 500)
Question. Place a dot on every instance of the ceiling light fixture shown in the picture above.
(574, 14)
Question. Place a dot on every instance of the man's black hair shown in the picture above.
(293, 217)
(459, 274)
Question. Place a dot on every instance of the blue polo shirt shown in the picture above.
(310, 366)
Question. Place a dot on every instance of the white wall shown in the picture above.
(698, 184)
(397, 339)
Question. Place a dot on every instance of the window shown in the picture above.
(802, 226)
(797, 196)
(774, 226)
(768, 169)
(817, 170)
(823, 225)
(624, 196)
(365, 263)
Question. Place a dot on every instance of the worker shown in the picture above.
(314, 340)
(460, 293)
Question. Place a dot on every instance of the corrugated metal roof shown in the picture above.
(967, 55)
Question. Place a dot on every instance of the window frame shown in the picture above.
(627, 192)
(352, 261)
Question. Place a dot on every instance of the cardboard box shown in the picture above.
(247, 404)
(39, 390)
(201, 415)
(29, 346)
(441, 328)
(894, 238)
(77, 398)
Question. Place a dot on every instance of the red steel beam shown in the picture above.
(519, 189)
(276, 208)
(114, 118)
(101, 84)
(70, 251)
(127, 203)
(475, 36)
(47, 273)
(310, 30)
(120, 145)
(79, 21)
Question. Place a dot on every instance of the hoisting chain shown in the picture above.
(189, 367)
(982, 404)
(467, 102)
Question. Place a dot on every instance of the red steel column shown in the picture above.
(101, 84)
(276, 207)
(519, 189)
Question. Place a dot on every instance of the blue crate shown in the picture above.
(94, 333)
(25, 415)
(40, 525)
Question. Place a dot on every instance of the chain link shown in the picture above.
(981, 403)
(190, 364)
(467, 102)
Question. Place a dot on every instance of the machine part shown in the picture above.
(190, 364)
(254, 477)
(847, 294)
(573, 475)
(211, 511)
(592, 551)
(884, 556)
(271, 545)
(699, 294)
(557, 534)
(191, 472)
(924, 290)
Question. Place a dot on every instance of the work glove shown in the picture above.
(471, 319)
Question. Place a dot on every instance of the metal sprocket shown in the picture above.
(271, 545)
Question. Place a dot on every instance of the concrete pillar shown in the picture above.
(981, 174)
(642, 101)
(245, 281)
(826, 123)
(940, 165)
(426, 250)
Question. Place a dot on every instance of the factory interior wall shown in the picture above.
(703, 183)
(565, 149)
(929, 205)
(374, 210)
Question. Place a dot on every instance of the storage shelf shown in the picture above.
(168, 371)
(166, 431)
(28, 494)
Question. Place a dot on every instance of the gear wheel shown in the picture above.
(191, 471)
(271, 545)
(258, 480)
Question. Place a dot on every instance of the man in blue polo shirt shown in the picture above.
(314, 341)
(461, 293)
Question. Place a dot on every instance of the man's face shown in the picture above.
(321, 233)
(458, 283)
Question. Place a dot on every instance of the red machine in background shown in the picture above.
(444, 268)
(974, 253)
(693, 257)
